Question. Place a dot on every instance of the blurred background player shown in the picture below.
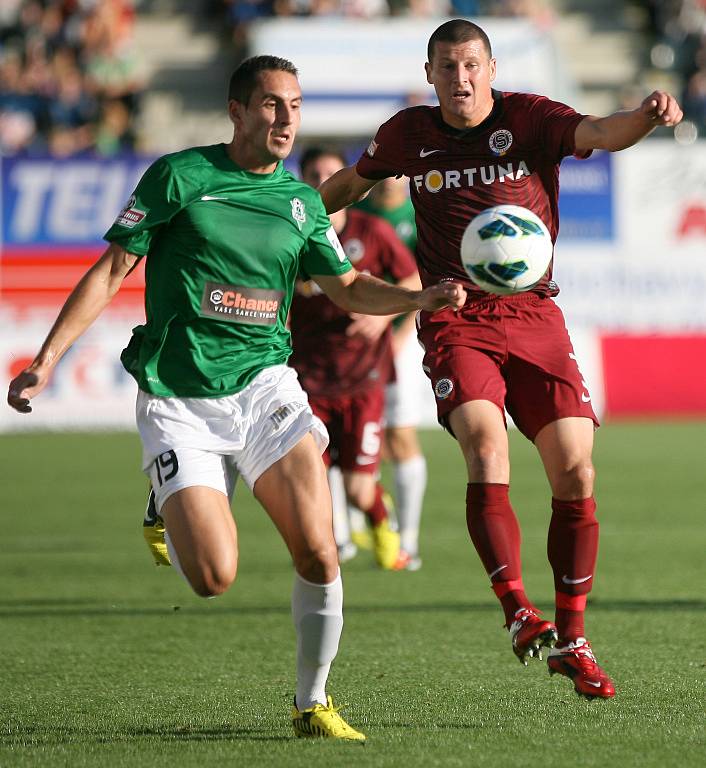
(390, 200)
(344, 361)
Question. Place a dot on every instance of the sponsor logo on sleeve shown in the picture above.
(335, 243)
(372, 148)
(298, 212)
(130, 216)
(239, 304)
(500, 141)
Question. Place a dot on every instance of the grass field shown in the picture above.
(106, 660)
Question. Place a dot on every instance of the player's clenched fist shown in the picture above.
(662, 108)
(444, 294)
(22, 389)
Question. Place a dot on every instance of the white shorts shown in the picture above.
(405, 398)
(188, 441)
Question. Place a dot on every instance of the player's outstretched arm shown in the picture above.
(358, 292)
(371, 327)
(623, 129)
(87, 300)
(343, 188)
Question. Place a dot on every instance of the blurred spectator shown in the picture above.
(695, 100)
(113, 133)
(679, 31)
(109, 59)
(22, 112)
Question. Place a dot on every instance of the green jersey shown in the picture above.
(403, 221)
(224, 247)
(401, 218)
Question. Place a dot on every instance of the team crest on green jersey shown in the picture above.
(298, 211)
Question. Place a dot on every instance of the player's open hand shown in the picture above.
(23, 388)
(442, 295)
(368, 327)
(662, 108)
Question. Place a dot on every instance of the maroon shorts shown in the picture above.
(515, 352)
(354, 424)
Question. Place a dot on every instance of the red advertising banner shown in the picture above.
(655, 375)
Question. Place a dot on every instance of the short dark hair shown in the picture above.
(458, 31)
(312, 154)
(244, 80)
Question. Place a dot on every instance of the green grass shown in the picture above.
(106, 660)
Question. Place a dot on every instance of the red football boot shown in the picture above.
(529, 633)
(576, 660)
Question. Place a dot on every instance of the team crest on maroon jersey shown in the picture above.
(500, 141)
(354, 248)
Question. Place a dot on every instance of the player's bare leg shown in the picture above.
(365, 492)
(410, 473)
(480, 430)
(566, 446)
(294, 492)
(202, 538)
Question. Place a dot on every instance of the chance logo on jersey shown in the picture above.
(130, 216)
(238, 304)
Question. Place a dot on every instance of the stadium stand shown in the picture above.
(105, 76)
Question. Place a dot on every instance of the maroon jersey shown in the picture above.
(512, 157)
(328, 362)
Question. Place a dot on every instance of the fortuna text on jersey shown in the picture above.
(434, 180)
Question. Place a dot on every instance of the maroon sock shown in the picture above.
(570, 611)
(495, 533)
(572, 547)
(378, 511)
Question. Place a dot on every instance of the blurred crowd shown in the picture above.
(70, 80)
(241, 13)
(678, 28)
(69, 77)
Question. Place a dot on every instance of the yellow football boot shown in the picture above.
(386, 545)
(362, 539)
(153, 531)
(324, 722)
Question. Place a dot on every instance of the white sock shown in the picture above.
(317, 612)
(358, 520)
(173, 557)
(410, 485)
(341, 528)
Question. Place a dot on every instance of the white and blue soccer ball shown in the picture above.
(506, 249)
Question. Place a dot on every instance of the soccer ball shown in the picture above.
(506, 249)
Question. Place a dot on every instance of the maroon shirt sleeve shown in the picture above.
(384, 156)
(556, 124)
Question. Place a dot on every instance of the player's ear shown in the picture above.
(235, 111)
(427, 69)
(493, 70)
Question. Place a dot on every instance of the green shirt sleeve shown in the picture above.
(156, 200)
(323, 253)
